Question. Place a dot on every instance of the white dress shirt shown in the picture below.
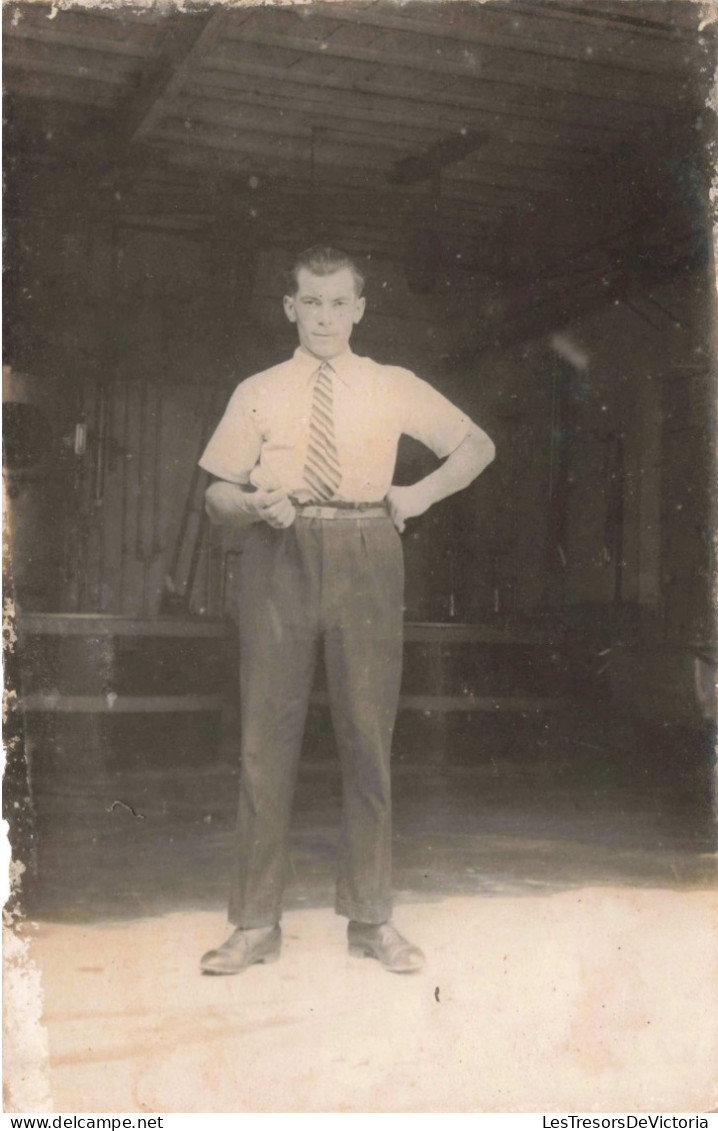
(263, 436)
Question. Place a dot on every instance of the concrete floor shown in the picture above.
(562, 887)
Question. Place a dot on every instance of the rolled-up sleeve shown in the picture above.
(430, 417)
(234, 449)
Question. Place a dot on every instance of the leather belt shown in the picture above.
(341, 511)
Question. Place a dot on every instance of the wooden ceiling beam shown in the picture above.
(110, 79)
(24, 32)
(540, 22)
(253, 123)
(180, 44)
(255, 60)
(165, 85)
(646, 15)
(285, 115)
(326, 156)
(477, 69)
(286, 148)
(594, 16)
(61, 88)
(240, 89)
(476, 29)
(31, 55)
(354, 182)
(242, 118)
(605, 115)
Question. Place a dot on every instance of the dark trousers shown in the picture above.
(336, 584)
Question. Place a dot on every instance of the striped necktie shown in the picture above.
(322, 471)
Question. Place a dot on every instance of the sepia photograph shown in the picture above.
(359, 482)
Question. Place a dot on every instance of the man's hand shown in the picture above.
(404, 503)
(274, 507)
(474, 453)
(228, 504)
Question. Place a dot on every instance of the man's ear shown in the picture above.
(289, 308)
(359, 310)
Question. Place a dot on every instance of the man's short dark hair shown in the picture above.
(323, 260)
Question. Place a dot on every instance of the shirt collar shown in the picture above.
(346, 366)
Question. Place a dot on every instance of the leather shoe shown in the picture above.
(384, 943)
(245, 947)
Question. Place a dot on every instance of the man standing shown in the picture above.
(305, 455)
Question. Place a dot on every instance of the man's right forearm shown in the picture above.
(227, 505)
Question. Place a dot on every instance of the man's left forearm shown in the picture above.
(473, 455)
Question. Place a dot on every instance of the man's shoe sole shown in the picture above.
(238, 969)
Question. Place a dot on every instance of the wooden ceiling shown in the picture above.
(351, 121)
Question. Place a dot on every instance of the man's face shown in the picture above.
(326, 308)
